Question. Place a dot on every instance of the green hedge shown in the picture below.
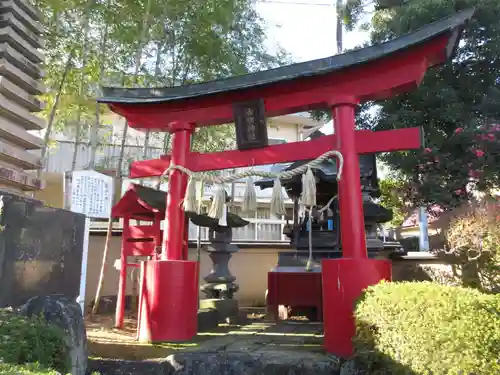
(31, 346)
(427, 328)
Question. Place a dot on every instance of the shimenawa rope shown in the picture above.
(218, 208)
(249, 204)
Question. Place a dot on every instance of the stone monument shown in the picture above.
(20, 74)
(40, 250)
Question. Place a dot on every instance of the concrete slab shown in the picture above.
(20, 115)
(24, 81)
(26, 14)
(16, 134)
(19, 180)
(29, 8)
(18, 157)
(22, 63)
(264, 363)
(20, 96)
(9, 35)
(246, 350)
(10, 19)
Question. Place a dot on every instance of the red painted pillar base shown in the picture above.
(343, 281)
(168, 308)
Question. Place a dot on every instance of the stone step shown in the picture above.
(20, 115)
(15, 134)
(23, 13)
(264, 363)
(19, 61)
(9, 19)
(20, 96)
(18, 157)
(10, 36)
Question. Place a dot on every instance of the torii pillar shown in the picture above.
(344, 278)
(170, 284)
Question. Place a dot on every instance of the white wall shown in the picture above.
(60, 157)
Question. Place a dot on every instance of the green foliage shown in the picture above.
(214, 138)
(353, 11)
(473, 246)
(426, 328)
(437, 180)
(27, 369)
(391, 197)
(144, 43)
(459, 96)
(33, 342)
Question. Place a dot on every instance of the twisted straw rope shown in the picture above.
(205, 177)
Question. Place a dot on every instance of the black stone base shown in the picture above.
(208, 319)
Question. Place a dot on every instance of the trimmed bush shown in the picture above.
(33, 342)
(427, 328)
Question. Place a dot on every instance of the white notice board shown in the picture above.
(91, 194)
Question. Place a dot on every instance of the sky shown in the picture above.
(305, 29)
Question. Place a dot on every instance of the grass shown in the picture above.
(26, 369)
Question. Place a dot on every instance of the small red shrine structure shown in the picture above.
(137, 240)
(141, 204)
(170, 284)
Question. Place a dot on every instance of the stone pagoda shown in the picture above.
(20, 75)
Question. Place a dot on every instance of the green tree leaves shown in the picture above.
(459, 95)
(185, 41)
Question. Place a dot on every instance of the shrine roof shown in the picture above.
(140, 203)
(294, 71)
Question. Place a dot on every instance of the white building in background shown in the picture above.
(262, 227)
(289, 128)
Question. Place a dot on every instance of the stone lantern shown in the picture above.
(220, 281)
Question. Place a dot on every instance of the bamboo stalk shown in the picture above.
(109, 231)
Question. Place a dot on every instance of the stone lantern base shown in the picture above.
(227, 309)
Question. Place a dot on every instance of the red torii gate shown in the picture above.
(169, 292)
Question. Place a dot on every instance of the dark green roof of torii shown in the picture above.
(453, 24)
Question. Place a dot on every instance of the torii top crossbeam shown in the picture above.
(339, 82)
(376, 72)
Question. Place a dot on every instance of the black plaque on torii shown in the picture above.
(251, 126)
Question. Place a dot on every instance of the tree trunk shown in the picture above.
(145, 148)
(120, 159)
(94, 132)
(339, 27)
(109, 231)
(53, 111)
(81, 91)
